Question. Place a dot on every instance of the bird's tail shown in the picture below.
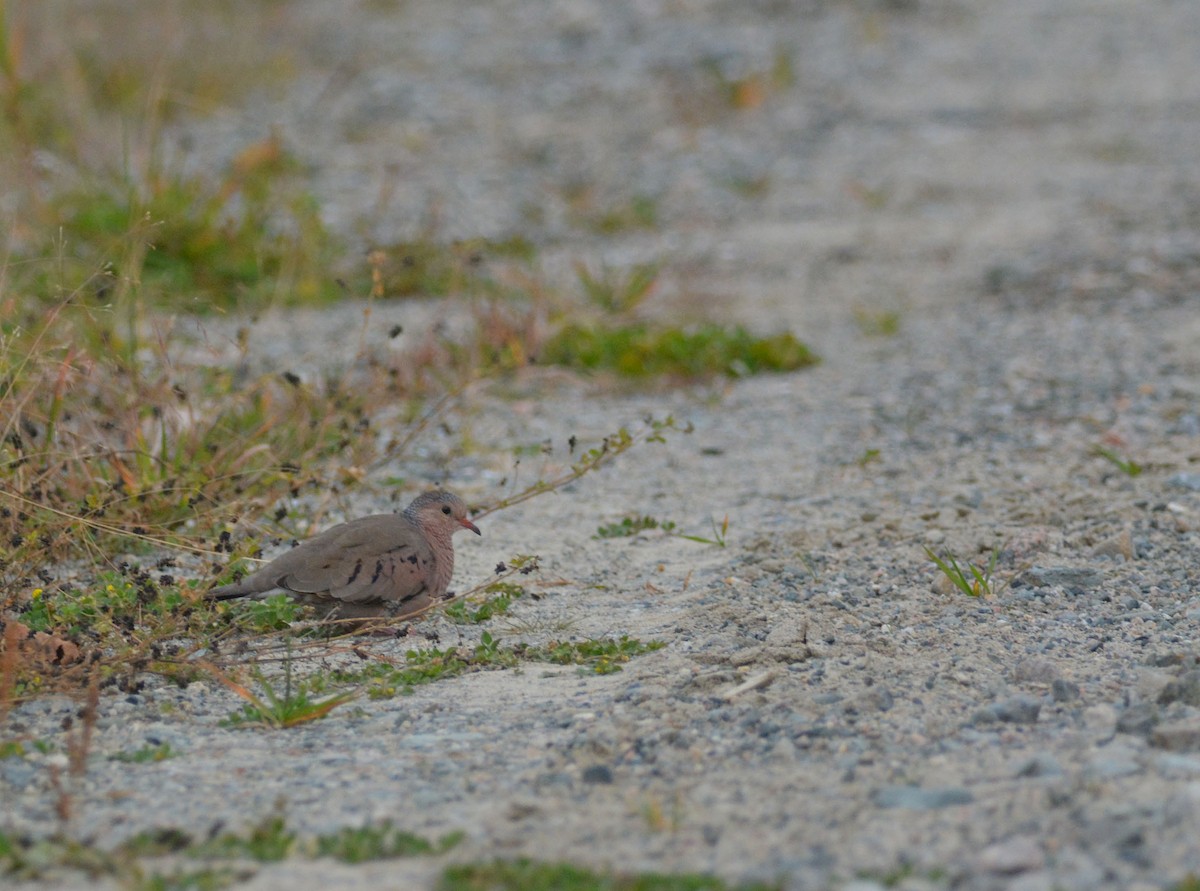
(227, 592)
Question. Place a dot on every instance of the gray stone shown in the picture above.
(1112, 766)
(1041, 765)
(18, 773)
(1172, 765)
(1061, 576)
(1177, 736)
(1011, 856)
(1184, 480)
(916, 798)
(1139, 719)
(1034, 671)
(1064, 691)
(1017, 710)
(1185, 689)
(598, 774)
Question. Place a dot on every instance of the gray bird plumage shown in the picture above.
(376, 566)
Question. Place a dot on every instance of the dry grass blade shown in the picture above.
(80, 742)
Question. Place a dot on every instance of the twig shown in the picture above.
(759, 680)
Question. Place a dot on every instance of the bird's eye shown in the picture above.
(446, 510)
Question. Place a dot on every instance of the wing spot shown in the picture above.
(354, 575)
(412, 558)
(378, 571)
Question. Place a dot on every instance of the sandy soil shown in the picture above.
(1018, 183)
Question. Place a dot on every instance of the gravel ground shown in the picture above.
(1018, 182)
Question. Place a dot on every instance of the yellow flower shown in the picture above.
(37, 594)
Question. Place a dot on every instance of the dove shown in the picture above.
(384, 565)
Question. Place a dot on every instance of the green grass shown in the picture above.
(638, 212)
(380, 842)
(641, 351)
(601, 656)
(974, 581)
(495, 600)
(274, 613)
(877, 322)
(188, 242)
(135, 863)
(615, 292)
(1127, 466)
(429, 267)
(530, 875)
(383, 680)
(280, 709)
(630, 526)
(104, 611)
(269, 841)
(146, 754)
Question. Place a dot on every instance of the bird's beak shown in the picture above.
(469, 525)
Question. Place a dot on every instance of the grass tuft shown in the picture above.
(1127, 466)
(974, 581)
(639, 351)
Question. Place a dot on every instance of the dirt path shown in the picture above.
(1017, 182)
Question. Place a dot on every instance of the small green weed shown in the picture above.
(639, 351)
(614, 292)
(867, 457)
(269, 841)
(24, 858)
(274, 613)
(146, 754)
(382, 842)
(215, 879)
(279, 710)
(630, 526)
(877, 322)
(1189, 882)
(529, 875)
(601, 656)
(496, 599)
(1127, 466)
(639, 212)
(892, 877)
(12, 748)
(974, 581)
(720, 534)
(383, 680)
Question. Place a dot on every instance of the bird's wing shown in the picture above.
(377, 559)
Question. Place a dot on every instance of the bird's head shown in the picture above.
(441, 511)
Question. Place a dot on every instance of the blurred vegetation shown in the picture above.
(638, 350)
